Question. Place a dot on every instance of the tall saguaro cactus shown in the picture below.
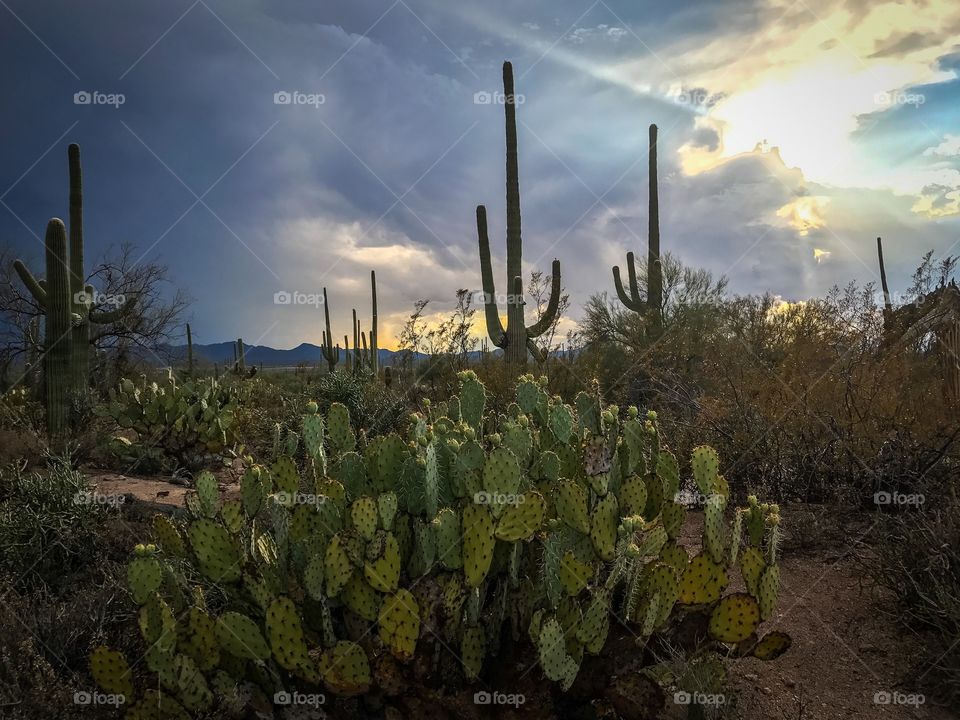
(653, 307)
(331, 352)
(67, 346)
(374, 352)
(189, 352)
(516, 339)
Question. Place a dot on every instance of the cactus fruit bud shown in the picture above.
(633, 412)
(312, 407)
(651, 415)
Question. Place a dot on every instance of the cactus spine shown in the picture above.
(633, 300)
(331, 352)
(64, 291)
(516, 338)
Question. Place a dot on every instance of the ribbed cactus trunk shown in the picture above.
(57, 355)
(347, 354)
(241, 360)
(374, 351)
(189, 352)
(516, 338)
(887, 305)
(330, 352)
(64, 287)
(654, 268)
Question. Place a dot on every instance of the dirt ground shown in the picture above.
(848, 661)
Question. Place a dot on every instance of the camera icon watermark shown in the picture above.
(698, 698)
(95, 97)
(888, 697)
(298, 698)
(490, 498)
(298, 498)
(296, 97)
(889, 99)
(899, 499)
(484, 97)
(498, 698)
(83, 697)
(295, 297)
(90, 498)
(99, 299)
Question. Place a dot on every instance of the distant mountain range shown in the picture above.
(304, 353)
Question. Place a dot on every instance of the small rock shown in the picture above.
(753, 677)
(767, 690)
(789, 683)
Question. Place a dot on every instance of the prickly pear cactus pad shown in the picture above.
(399, 624)
(216, 551)
(522, 519)
(111, 672)
(703, 581)
(345, 669)
(286, 640)
(735, 618)
(771, 646)
(239, 636)
(478, 542)
(144, 576)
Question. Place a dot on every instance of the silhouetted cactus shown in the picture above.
(69, 306)
(331, 352)
(516, 338)
(653, 306)
(189, 352)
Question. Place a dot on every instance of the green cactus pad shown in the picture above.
(387, 504)
(144, 577)
(345, 669)
(314, 575)
(360, 597)
(652, 542)
(662, 580)
(193, 690)
(752, 566)
(473, 397)
(767, 590)
(552, 647)
(571, 504)
(111, 672)
(313, 436)
(595, 625)
(383, 572)
(669, 474)
(286, 478)
(363, 515)
(713, 527)
(675, 556)
(633, 496)
(501, 477)
(399, 624)
(603, 527)
(157, 624)
(472, 651)
(338, 567)
(672, 515)
(240, 637)
(209, 493)
(216, 551)
(167, 535)
(338, 428)
(772, 646)
(705, 465)
(703, 581)
(478, 543)
(447, 531)
(231, 512)
(561, 421)
(198, 639)
(285, 634)
(522, 520)
(735, 618)
(252, 491)
(574, 574)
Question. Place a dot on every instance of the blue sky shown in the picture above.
(854, 106)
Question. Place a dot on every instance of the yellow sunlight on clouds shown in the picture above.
(805, 213)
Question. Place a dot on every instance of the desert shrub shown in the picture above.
(382, 558)
(48, 524)
(916, 561)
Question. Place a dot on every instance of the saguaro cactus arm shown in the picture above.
(553, 304)
(32, 284)
(633, 301)
(495, 327)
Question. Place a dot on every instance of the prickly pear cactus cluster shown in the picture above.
(188, 421)
(377, 558)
